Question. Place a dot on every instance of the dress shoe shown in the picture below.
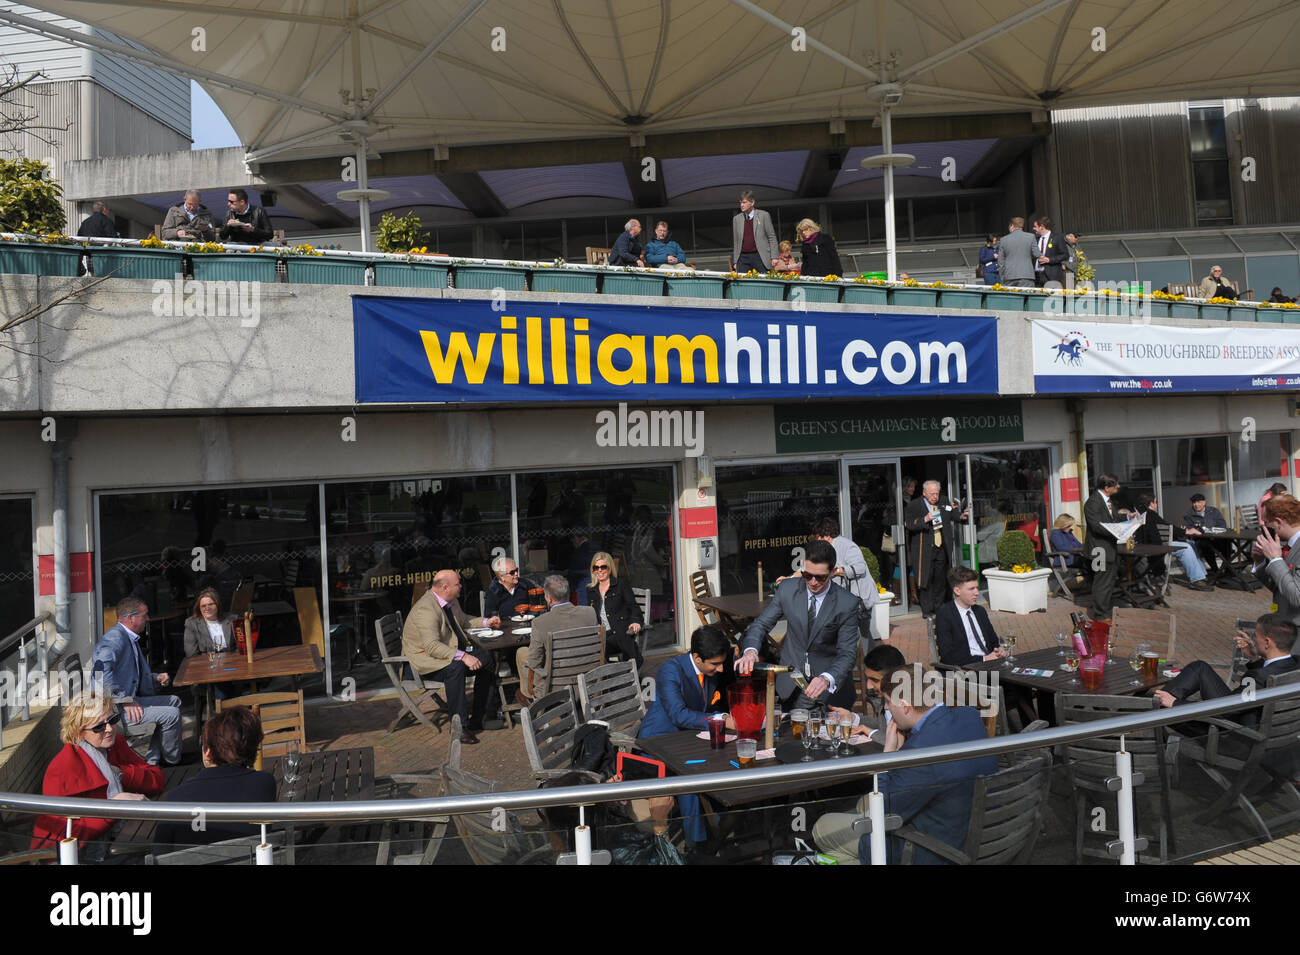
(1202, 585)
(468, 738)
(522, 700)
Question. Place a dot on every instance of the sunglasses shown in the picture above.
(600, 566)
(512, 573)
(818, 577)
(100, 727)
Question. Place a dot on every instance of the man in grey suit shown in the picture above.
(1017, 252)
(560, 615)
(821, 633)
(753, 240)
(1281, 519)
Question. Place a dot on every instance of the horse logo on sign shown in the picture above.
(1070, 348)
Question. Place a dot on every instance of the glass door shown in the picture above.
(872, 515)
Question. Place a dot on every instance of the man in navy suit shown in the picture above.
(962, 627)
(1268, 654)
(122, 666)
(685, 694)
(821, 633)
(933, 799)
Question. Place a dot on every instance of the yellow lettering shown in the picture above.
(458, 353)
(559, 371)
(509, 352)
(634, 345)
(536, 370)
(686, 350)
(581, 352)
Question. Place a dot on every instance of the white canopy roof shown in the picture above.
(304, 77)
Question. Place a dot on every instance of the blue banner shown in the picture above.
(446, 350)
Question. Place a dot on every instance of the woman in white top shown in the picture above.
(208, 629)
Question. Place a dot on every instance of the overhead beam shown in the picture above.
(470, 189)
(819, 172)
(305, 204)
(645, 195)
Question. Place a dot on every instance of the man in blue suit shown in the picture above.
(685, 694)
(124, 670)
(821, 632)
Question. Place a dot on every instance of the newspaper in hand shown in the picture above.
(1123, 531)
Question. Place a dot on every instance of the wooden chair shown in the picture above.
(110, 619)
(568, 654)
(407, 683)
(481, 833)
(309, 621)
(1131, 626)
(597, 255)
(283, 723)
(1249, 764)
(1068, 580)
(612, 694)
(242, 598)
(642, 596)
(1006, 813)
(963, 689)
(549, 725)
(700, 587)
(241, 851)
(418, 590)
(1090, 763)
(411, 841)
(1247, 517)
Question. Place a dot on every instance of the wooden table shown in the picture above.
(336, 775)
(358, 599)
(1234, 574)
(674, 749)
(233, 667)
(1116, 679)
(1143, 591)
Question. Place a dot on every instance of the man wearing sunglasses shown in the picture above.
(124, 668)
(507, 591)
(821, 632)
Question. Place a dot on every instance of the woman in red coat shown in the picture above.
(95, 763)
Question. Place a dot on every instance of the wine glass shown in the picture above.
(1110, 646)
(1009, 641)
(1060, 643)
(799, 724)
(815, 730)
(1135, 661)
(1072, 665)
(290, 764)
(833, 734)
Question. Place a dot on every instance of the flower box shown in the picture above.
(880, 616)
(1214, 313)
(865, 295)
(694, 286)
(564, 280)
(756, 290)
(814, 291)
(1157, 309)
(490, 277)
(953, 298)
(626, 283)
(1243, 313)
(1184, 310)
(234, 267)
(1040, 302)
(411, 275)
(1005, 301)
(318, 270)
(136, 263)
(920, 297)
(17, 258)
(1017, 593)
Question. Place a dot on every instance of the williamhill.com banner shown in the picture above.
(439, 350)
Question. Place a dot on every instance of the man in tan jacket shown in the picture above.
(1218, 285)
(435, 641)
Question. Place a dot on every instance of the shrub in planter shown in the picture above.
(873, 564)
(1015, 549)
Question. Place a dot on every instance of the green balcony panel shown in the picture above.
(410, 275)
(490, 277)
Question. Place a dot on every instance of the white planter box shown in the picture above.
(1018, 593)
(880, 616)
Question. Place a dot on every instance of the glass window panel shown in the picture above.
(388, 538)
(1263, 242)
(1133, 462)
(1257, 464)
(764, 512)
(267, 538)
(1168, 272)
(1269, 271)
(1101, 249)
(1011, 487)
(1192, 465)
(565, 517)
(1115, 271)
(1162, 246)
(1208, 133)
(1233, 268)
(17, 593)
(1214, 243)
(935, 217)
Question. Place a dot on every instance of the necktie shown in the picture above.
(974, 628)
(938, 534)
(461, 642)
(139, 669)
(812, 614)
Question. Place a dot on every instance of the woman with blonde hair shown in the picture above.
(1066, 547)
(95, 763)
(616, 608)
(819, 255)
(785, 261)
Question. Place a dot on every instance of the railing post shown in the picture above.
(26, 712)
(1128, 845)
(876, 812)
(68, 847)
(265, 854)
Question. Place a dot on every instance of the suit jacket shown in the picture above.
(678, 703)
(1016, 253)
(950, 634)
(1283, 579)
(764, 237)
(832, 647)
(428, 640)
(72, 773)
(1094, 514)
(620, 604)
(560, 617)
(216, 784)
(199, 640)
(626, 251)
(935, 799)
(1210, 288)
(1058, 250)
(920, 535)
(98, 225)
(125, 672)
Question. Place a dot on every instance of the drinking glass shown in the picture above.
(1135, 664)
(815, 730)
(833, 734)
(746, 752)
(212, 659)
(1110, 646)
(1072, 665)
(776, 722)
(799, 724)
(289, 764)
(1060, 642)
(1009, 641)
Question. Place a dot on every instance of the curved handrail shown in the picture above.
(815, 774)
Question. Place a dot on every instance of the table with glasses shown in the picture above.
(1142, 590)
(1118, 678)
(233, 667)
(1236, 564)
(735, 611)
